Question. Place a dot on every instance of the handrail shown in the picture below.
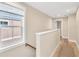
(44, 32)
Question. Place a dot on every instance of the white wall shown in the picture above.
(36, 21)
(54, 24)
(47, 42)
(77, 25)
(64, 27)
(72, 34)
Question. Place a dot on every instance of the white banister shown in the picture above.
(46, 42)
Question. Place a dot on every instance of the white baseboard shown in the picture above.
(11, 47)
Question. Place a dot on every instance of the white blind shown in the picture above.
(10, 12)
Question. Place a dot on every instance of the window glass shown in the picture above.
(10, 22)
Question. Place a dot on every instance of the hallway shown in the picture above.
(39, 25)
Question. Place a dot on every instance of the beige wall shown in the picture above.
(77, 24)
(36, 22)
(72, 27)
(69, 27)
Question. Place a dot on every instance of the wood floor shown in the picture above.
(67, 48)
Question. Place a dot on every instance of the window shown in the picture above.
(10, 24)
(3, 23)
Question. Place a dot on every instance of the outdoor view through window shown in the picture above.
(10, 25)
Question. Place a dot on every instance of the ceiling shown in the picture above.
(56, 9)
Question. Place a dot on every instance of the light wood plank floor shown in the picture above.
(67, 49)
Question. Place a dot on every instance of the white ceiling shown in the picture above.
(55, 9)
